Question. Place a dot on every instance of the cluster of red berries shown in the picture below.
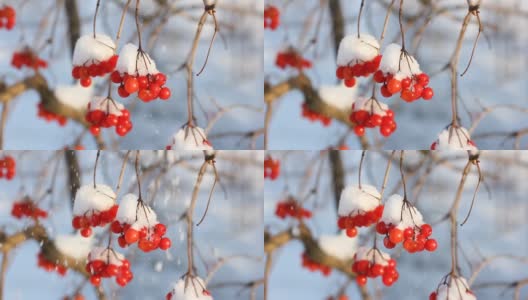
(50, 266)
(366, 269)
(149, 87)
(101, 269)
(291, 208)
(365, 219)
(85, 72)
(415, 239)
(7, 167)
(50, 116)
(313, 266)
(271, 17)
(99, 118)
(360, 69)
(271, 168)
(7, 17)
(26, 208)
(365, 119)
(147, 241)
(314, 116)
(85, 222)
(26, 58)
(411, 88)
(292, 59)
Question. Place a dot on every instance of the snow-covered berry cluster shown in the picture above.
(49, 116)
(7, 17)
(403, 223)
(374, 263)
(291, 58)
(136, 72)
(106, 112)
(136, 222)
(359, 207)
(26, 58)
(93, 56)
(189, 138)
(50, 266)
(189, 288)
(271, 17)
(7, 167)
(370, 113)
(291, 208)
(107, 263)
(400, 73)
(454, 138)
(313, 116)
(453, 288)
(271, 168)
(357, 57)
(26, 208)
(94, 206)
(314, 266)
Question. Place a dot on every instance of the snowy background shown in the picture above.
(497, 74)
(233, 226)
(497, 225)
(232, 79)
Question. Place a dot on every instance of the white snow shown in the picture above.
(354, 199)
(392, 213)
(109, 256)
(338, 96)
(189, 139)
(137, 216)
(351, 48)
(454, 138)
(89, 198)
(75, 96)
(456, 289)
(106, 105)
(396, 63)
(194, 290)
(370, 105)
(370, 254)
(339, 246)
(132, 62)
(74, 245)
(88, 49)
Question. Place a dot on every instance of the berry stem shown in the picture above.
(122, 21)
(137, 174)
(122, 172)
(403, 176)
(95, 167)
(95, 16)
(138, 26)
(386, 176)
(361, 167)
(359, 18)
(401, 25)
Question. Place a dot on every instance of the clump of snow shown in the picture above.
(133, 213)
(454, 138)
(456, 289)
(365, 48)
(75, 96)
(401, 215)
(107, 105)
(89, 49)
(88, 198)
(190, 139)
(339, 246)
(108, 255)
(354, 199)
(371, 105)
(373, 255)
(136, 63)
(338, 96)
(398, 63)
(74, 245)
(195, 290)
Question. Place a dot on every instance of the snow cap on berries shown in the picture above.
(339, 246)
(373, 255)
(400, 215)
(75, 96)
(456, 289)
(190, 139)
(354, 199)
(137, 216)
(339, 96)
(135, 63)
(74, 245)
(454, 138)
(108, 255)
(87, 198)
(195, 290)
(352, 48)
(108, 106)
(88, 49)
(398, 63)
(371, 105)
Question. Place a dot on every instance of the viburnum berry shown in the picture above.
(107, 263)
(27, 208)
(189, 138)
(453, 288)
(50, 266)
(314, 266)
(189, 287)
(454, 138)
(358, 56)
(50, 116)
(93, 206)
(7, 167)
(27, 58)
(7, 17)
(136, 222)
(104, 112)
(315, 116)
(291, 208)
(271, 168)
(374, 263)
(291, 58)
(359, 207)
(271, 17)
(370, 113)
(93, 56)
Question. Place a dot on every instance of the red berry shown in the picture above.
(131, 236)
(431, 245)
(351, 232)
(394, 86)
(95, 280)
(165, 243)
(131, 85)
(359, 130)
(164, 93)
(361, 280)
(86, 81)
(395, 235)
(427, 93)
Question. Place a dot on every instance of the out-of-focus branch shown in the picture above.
(338, 174)
(74, 24)
(73, 172)
(338, 22)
